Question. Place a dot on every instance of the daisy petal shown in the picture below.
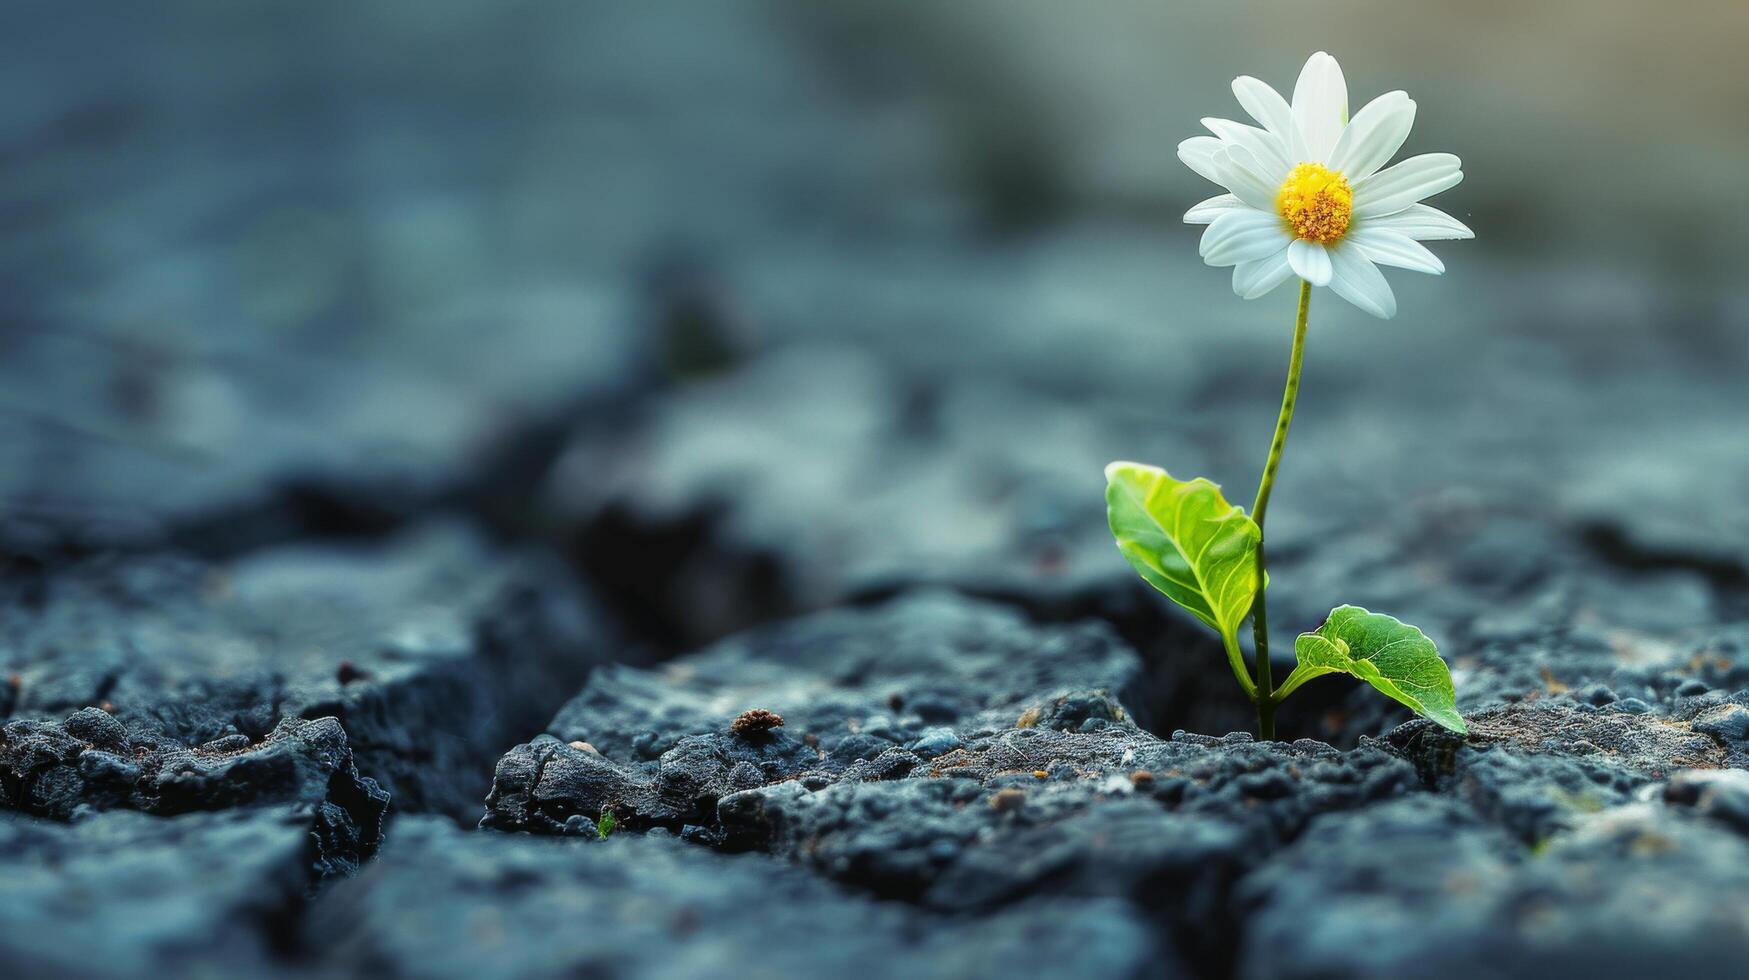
(1373, 136)
(1258, 276)
(1266, 147)
(1396, 187)
(1243, 235)
(1238, 171)
(1310, 261)
(1320, 106)
(1198, 153)
(1387, 247)
(1207, 211)
(1424, 223)
(1354, 278)
(1266, 106)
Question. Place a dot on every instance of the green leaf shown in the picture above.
(604, 827)
(1185, 540)
(1394, 657)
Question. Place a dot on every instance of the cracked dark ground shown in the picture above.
(424, 434)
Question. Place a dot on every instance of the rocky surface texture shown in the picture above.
(442, 903)
(874, 783)
(678, 429)
(91, 764)
(427, 647)
(121, 893)
(846, 695)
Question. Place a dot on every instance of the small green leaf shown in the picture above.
(604, 827)
(1185, 540)
(1394, 657)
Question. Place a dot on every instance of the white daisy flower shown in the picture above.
(1308, 196)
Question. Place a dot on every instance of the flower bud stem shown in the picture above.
(1265, 693)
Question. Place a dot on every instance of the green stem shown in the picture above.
(1292, 684)
(1265, 688)
(1236, 660)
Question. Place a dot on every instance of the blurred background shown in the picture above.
(754, 307)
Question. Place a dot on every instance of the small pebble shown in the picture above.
(879, 726)
(97, 727)
(229, 743)
(1726, 721)
(935, 741)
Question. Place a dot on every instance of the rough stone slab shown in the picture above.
(977, 814)
(126, 894)
(91, 763)
(890, 672)
(943, 751)
(971, 828)
(1420, 886)
(443, 903)
(1167, 825)
(1536, 768)
(863, 694)
(434, 650)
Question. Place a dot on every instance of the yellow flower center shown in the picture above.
(1316, 202)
